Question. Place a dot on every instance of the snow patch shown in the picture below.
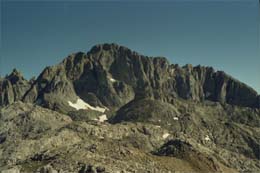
(112, 80)
(175, 118)
(102, 118)
(207, 138)
(165, 135)
(80, 104)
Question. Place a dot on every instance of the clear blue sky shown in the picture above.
(222, 34)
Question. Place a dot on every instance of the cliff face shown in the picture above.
(12, 88)
(112, 75)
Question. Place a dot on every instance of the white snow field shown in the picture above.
(80, 104)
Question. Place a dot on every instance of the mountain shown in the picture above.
(113, 75)
(13, 88)
(163, 117)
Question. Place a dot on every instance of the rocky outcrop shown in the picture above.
(53, 89)
(47, 169)
(146, 110)
(92, 169)
(233, 128)
(13, 87)
(203, 139)
(184, 150)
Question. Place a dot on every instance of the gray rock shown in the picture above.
(88, 169)
(146, 110)
(13, 87)
(12, 170)
(47, 169)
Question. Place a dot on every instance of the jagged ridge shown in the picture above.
(112, 75)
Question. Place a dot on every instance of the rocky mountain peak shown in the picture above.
(15, 72)
(115, 75)
(15, 76)
(107, 47)
(13, 87)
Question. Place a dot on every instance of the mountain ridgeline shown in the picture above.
(111, 75)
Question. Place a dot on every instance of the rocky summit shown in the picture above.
(114, 110)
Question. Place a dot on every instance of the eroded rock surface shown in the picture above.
(203, 139)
